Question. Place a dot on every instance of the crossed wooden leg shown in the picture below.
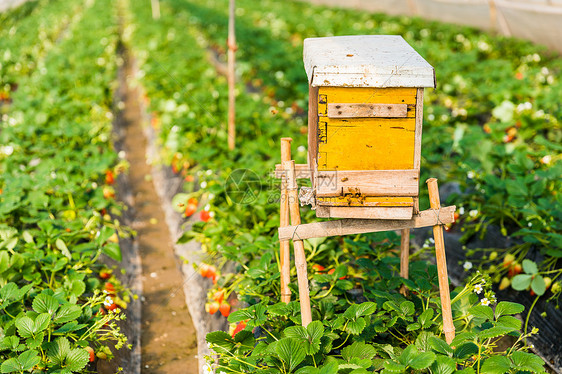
(300, 257)
(434, 202)
(296, 232)
(284, 253)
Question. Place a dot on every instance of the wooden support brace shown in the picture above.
(350, 226)
(300, 257)
(448, 326)
(285, 252)
(302, 171)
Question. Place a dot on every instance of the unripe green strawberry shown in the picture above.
(508, 259)
(504, 283)
(547, 282)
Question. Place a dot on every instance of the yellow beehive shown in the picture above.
(365, 125)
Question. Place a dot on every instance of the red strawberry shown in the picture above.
(331, 271)
(193, 201)
(109, 288)
(190, 210)
(318, 267)
(218, 296)
(239, 327)
(212, 308)
(515, 269)
(205, 215)
(224, 309)
(109, 177)
(212, 272)
(111, 307)
(92, 353)
(204, 270)
(104, 274)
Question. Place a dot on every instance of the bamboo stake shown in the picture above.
(231, 78)
(300, 257)
(155, 9)
(448, 326)
(285, 249)
(404, 257)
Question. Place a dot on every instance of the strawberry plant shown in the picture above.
(496, 92)
(353, 275)
(390, 334)
(55, 223)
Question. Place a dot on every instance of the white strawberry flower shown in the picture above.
(478, 288)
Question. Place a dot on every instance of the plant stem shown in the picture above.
(478, 362)
(528, 316)
(339, 346)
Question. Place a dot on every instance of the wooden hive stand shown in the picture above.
(364, 151)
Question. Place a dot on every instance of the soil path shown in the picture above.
(168, 337)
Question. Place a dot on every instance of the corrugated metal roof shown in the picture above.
(365, 61)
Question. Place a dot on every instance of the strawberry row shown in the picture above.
(60, 305)
(349, 278)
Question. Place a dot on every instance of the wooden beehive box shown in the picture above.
(365, 125)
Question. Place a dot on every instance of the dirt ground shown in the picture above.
(168, 337)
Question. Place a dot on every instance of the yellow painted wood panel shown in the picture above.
(366, 201)
(366, 144)
(369, 95)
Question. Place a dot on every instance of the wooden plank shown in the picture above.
(355, 110)
(322, 211)
(372, 212)
(302, 171)
(365, 201)
(342, 227)
(367, 144)
(419, 126)
(369, 95)
(312, 126)
(368, 182)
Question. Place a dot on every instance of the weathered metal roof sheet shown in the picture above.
(365, 61)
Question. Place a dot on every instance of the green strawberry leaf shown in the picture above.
(44, 303)
(508, 308)
(496, 365)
